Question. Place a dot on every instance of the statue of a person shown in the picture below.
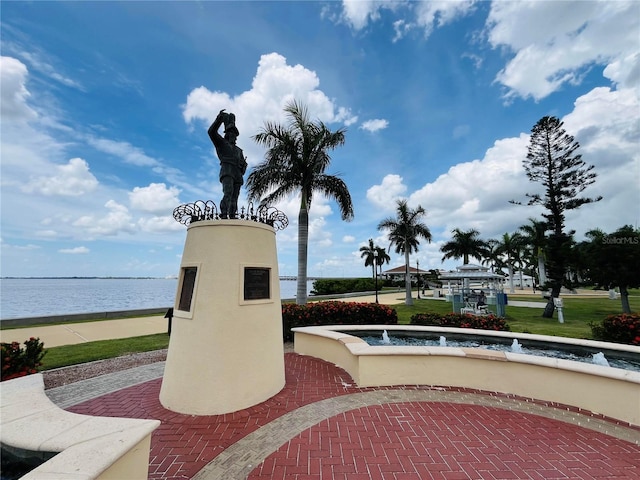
(233, 163)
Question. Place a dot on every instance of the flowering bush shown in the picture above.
(335, 313)
(461, 320)
(619, 328)
(18, 362)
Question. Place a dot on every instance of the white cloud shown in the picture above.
(14, 93)
(117, 220)
(348, 239)
(124, 150)
(159, 224)
(433, 14)
(274, 85)
(557, 42)
(357, 13)
(422, 15)
(71, 180)
(74, 251)
(374, 125)
(384, 196)
(156, 198)
(476, 194)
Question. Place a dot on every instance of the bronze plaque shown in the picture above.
(186, 293)
(257, 283)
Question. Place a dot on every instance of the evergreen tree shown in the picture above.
(553, 162)
(614, 260)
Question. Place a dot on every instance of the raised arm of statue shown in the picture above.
(215, 137)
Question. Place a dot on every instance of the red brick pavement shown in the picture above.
(437, 440)
(419, 440)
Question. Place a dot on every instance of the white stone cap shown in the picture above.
(88, 445)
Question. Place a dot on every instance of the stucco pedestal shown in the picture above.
(226, 348)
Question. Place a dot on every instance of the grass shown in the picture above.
(66, 355)
(578, 313)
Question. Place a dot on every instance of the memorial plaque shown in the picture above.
(188, 283)
(257, 283)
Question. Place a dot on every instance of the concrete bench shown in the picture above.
(89, 447)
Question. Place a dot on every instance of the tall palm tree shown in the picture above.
(464, 245)
(491, 255)
(404, 231)
(509, 246)
(295, 162)
(369, 253)
(383, 257)
(534, 235)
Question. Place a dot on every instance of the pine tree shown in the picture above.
(553, 162)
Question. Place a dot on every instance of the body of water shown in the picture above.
(41, 297)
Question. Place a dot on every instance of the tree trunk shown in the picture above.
(542, 273)
(511, 288)
(624, 298)
(303, 242)
(550, 306)
(408, 300)
(521, 279)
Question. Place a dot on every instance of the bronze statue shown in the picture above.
(233, 163)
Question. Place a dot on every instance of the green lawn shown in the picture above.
(91, 351)
(578, 313)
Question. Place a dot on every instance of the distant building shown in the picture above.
(398, 273)
(471, 276)
(527, 280)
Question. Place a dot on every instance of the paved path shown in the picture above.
(321, 427)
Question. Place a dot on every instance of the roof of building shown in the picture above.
(472, 272)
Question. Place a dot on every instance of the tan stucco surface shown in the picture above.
(226, 352)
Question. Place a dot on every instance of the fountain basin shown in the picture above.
(611, 392)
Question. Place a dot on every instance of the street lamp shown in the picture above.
(418, 265)
(375, 270)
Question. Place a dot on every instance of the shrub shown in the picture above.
(619, 328)
(335, 313)
(461, 320)
(336, 286)
(18, 362)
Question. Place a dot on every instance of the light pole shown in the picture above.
(418, 266)
(375, 271)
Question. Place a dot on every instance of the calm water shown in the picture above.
(39, 297)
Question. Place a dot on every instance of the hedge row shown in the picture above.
(336, 286)
(335, 313)
(460, 320)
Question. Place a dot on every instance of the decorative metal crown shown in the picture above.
(200, 210)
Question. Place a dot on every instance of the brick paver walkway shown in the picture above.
(320, 426)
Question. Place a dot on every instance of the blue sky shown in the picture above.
(106, 105)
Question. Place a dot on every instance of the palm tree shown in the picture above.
(509, 247)
(369, 253)
(491, 255)
(296, 161)
(534, 235)
(404, 232)
(464, 245)
(382, 256)
(375, 257)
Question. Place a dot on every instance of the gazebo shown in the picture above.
(470, 276)
(463, 283)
